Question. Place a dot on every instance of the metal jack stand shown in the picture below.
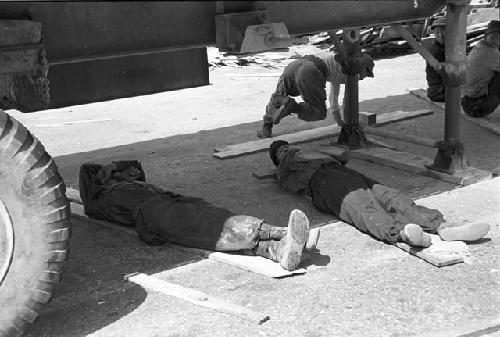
(351, 134)
(450, 163)
(450, 157)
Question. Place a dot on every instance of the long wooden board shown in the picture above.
(402, 161)
(256, 264)
(237, 150)
(197, 297)
(489, 327)
(482, 122)
(416, 164)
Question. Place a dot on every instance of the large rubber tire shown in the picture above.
(34, 226)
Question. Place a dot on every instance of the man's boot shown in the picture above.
(284, 110)
(268, 232)
(413, 235)
(266, 131)
(467, 231)
(288, 250)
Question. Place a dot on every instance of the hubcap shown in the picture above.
(6, 241)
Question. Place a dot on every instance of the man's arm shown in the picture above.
(334, 102)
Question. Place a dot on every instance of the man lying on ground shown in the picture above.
(381, 211)
(119, 193)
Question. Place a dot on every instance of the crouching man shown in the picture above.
(481, 92)
(119, 193)
(381, 211)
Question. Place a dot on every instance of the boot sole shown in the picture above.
(295, 239)
(471, 231)
(415, 236)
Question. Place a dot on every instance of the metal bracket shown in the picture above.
(352, 136)
(450, 158)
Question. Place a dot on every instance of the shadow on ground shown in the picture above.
(93, 294)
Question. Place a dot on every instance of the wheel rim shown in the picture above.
(6, 241)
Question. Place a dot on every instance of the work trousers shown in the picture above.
(369, 206)
(305, 77)
(161, 216)
(486, 104)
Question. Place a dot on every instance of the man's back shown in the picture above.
(335, 74)
(482, 63)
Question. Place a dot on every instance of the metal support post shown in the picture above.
(351, 134)
(450, 157)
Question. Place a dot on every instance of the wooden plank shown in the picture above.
(367, 118)
(237, 150)
(265, 174)
(197, 297)
(481, 122)
(439, 254)
(256, 264)
(233, 151)
(483, 328)
(379, 143)
(402, 136)
(416, 164)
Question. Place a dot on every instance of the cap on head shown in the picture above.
(273, 148)
(367, 65)
(493, 26)
(440, 21)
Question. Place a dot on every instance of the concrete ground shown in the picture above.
(356, 286)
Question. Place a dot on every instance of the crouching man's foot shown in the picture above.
(413, 235)
(468, 231)
(266, 131)
(288, 250)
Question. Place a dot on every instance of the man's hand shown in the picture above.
(107, 172)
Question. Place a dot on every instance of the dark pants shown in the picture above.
(162, 216)
(369, 206)
(486, 104)
(305, 77)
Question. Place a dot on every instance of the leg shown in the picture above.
(430, 220)
(489, 105)
(287, 251)
(242, 232)
(345, 193)
(312, 86)
(484, 105)
(239, 232)
(362, 210)
(276, 100)
(394, 201)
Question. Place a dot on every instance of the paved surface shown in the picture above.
(356, 285)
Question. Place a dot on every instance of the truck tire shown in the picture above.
(34, 226)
